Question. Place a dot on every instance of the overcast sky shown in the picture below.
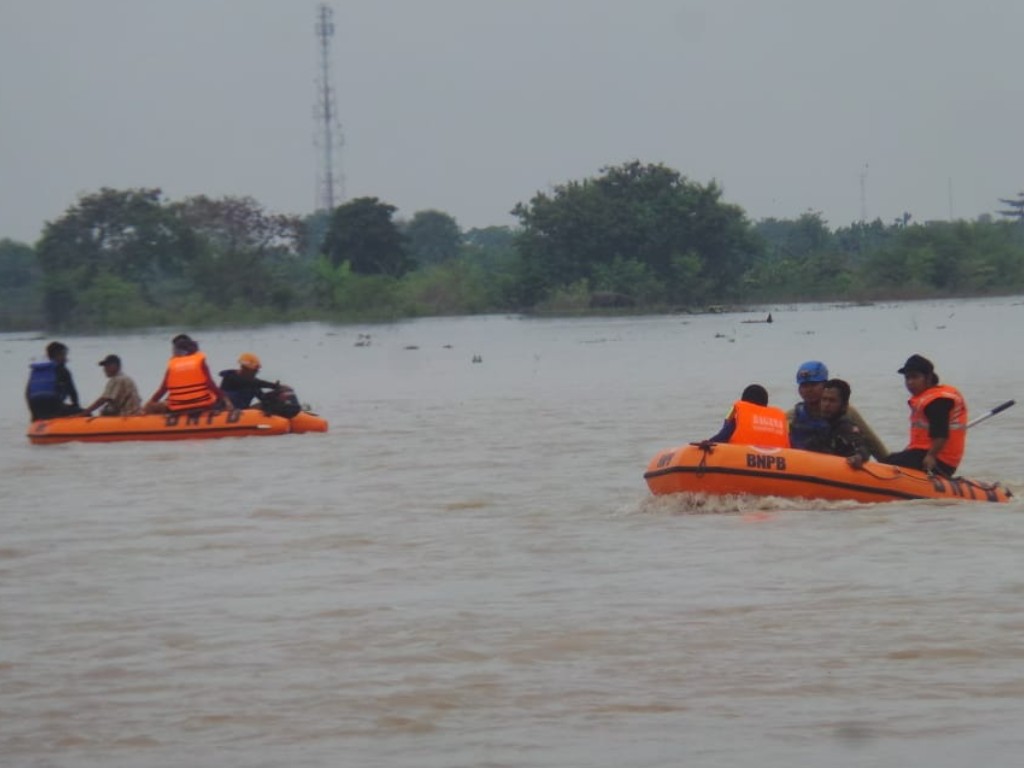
(470, 106)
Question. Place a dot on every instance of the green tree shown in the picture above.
(957, 258)
(20, 279)
(647, 214)
(861, 237)
(330, 282)
(124, 233)
(492, 238)
(455, 287)
(799, 238)
(111, 302)
(244, 255)
(18, 267)
(432, 237)
(314, 230)
(493, 250)
(363, 233)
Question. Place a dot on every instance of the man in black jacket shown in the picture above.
(241, 385)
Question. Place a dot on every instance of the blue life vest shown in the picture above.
(805, 427)
(42, 381)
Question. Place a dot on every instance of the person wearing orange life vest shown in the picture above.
(187, 382)
(753, 422)
(938, 421)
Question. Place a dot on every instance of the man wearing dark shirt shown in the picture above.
(50, 384)
(241, 385)
(844, 437)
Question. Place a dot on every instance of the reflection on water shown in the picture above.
(468, 570)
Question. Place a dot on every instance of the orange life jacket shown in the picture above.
(187, 385)
(953, 450)
(760, 425)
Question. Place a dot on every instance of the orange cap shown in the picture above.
(248, 360)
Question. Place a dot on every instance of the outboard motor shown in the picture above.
(281, 401)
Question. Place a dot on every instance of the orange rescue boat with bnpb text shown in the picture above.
(187, 425)
(720, 469)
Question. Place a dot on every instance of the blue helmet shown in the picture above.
(812, 372)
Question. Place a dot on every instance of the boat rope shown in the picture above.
(706, 448)
(938, 481)
(895, 473)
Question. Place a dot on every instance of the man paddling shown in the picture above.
(938, 421)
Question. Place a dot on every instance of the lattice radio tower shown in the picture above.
(864, 195)
(328, 137)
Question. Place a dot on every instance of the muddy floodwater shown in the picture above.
(468, 570)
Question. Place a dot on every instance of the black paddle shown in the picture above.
(990, 414)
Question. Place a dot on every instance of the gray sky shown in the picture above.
(470, 106)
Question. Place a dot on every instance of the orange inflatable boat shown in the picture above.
(720, 469)
(190, 425)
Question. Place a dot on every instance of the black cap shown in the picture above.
(111, 359)
(917, 364)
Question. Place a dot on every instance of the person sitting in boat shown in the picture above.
(241, 384)
(753, 422)
(843, 437)
(50, 384)
(120, 396)
(805, 419)
(938, 421)
(187, 382)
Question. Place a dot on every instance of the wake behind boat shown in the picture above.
(189, 425)
(721, 469)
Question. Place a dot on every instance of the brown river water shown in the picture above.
(468, 569)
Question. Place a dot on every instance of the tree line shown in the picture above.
(635, 237)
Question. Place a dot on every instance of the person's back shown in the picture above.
(760, 425)
(49, 384)
(753, 422)
(187, 382)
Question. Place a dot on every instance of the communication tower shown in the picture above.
(864, 195)
(328, 137)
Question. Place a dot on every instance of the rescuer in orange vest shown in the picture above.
(187, 382)
(938, 421)
(753, 422)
